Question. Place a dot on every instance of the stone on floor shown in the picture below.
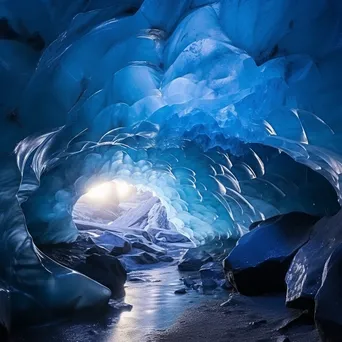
(261, 258)
(107, 270)
(193, 259)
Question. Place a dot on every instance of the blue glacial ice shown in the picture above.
(229, 111)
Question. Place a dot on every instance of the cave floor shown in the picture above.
(158, 314)
(258, 319)
(155, 306)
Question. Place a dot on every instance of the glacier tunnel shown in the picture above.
(216, 127)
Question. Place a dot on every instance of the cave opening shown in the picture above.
(126, 220)
(105, 202)
(129, 223)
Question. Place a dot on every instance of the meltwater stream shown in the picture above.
(155, 307)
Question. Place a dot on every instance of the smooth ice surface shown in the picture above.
(228, 111)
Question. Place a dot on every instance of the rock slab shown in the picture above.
(261, 258)
(107, 270)
(328, 314)
(304, 276)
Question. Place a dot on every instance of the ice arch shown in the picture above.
(202, 93)
(208, 194)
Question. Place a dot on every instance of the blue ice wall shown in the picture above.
(229, 110)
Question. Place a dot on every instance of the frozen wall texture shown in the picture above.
(230, 111)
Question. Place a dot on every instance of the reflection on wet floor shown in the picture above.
(155, 307)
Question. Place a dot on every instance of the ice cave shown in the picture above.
(171, 170)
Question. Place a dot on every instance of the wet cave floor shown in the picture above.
(158, 314)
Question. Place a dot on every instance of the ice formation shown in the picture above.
(229, 111)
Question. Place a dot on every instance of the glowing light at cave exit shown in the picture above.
(104, 191)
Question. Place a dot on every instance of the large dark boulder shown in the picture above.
(193, 259)
(304, 276)
(328, 313)
(261, 258)
(97, 250)
(107, 270)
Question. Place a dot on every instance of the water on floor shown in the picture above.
(155, 307)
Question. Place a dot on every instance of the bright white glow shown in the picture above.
(105, 191)
(100, 192)
(122, 188)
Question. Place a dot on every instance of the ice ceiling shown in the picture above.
(229, 111)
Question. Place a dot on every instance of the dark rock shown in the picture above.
(142, 258)
(126, 248)
(188, 282)
(181, 291)
(90, 241)
(193, 259)
(259, 262)
(304, 276)
(110, 240)
(328, 314)
(149, 248)
(209, 284)
(5, 313)
(165, 258)
(107, 270)
(171, 236)
(298, 318)
(134, 238)
(120, 305)
(97, 250)
(69, 254)
(210, 274)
